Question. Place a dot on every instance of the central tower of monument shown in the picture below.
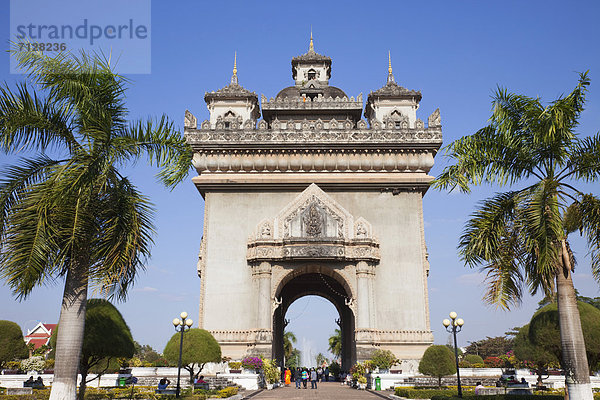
(314, 200)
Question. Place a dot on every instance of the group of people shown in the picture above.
(164, 382)
(39, 382)
(302, 375)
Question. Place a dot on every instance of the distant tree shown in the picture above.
(294, 360)
(146, 354)
(383, 359)
(288, 344)
(199, 348)
(320, 359)
(490, 347)
(106, 337)
(335, 343)
(473, 359)
(536, 357)
(593, 301)
(12, 345)
(438, 361)
(544, 331)
(334, 368)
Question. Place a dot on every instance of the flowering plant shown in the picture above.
(252, 363)
(493, 362)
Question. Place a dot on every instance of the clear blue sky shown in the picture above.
(456, 53)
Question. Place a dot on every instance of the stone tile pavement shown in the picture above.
(328, 390)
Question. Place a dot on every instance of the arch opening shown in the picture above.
(314, 282)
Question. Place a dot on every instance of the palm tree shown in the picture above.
(335, 343)
(520, 237)
(288, 344)
(66, 212)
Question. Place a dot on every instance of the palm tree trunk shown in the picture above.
(574, 358)
(70, 334)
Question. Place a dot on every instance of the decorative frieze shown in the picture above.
(243, 336)
(366, 250)
(318, 103)
(316, 131)
(312, 160)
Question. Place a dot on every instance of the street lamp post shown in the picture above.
(181, 325)
(453, 327)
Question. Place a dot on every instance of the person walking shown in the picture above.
(326, 374)
(313, 378)
(319, 374)
(304, 378)
(288, 377)
(298, 377)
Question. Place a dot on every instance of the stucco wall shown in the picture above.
(399, 296)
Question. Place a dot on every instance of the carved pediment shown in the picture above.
(313, 226)
(313, 214)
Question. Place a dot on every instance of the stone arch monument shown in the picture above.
(313, 200)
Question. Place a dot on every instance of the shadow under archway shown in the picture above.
(318, 284)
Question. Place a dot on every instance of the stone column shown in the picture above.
(263, 342)
(363, 296)
(262, 273)
(364, 311)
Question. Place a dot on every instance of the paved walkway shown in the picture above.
(328, 390)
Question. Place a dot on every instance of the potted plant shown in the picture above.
(252, 364)
(271, 373)
(362, 382)
(235, 367)
(383, 360)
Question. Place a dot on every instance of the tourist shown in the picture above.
(304, 378)
(163, 383)
(478, 388)
(313, 378)
(288, 377)
(200, 380)
(524, 382)
(298, 377)
(39, 382)
(326, 374)
(320, 374)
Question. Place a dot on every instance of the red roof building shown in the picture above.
(40, 335)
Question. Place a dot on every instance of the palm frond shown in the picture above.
(165, 146)
(584, 162)
(590, 226)
(29, 245)
(124, 220)
(17, 180)
(30, 122)
(488, 156)
(542, 232)
(486, 230)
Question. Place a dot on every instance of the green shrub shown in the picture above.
(235, 364)
(411, 393)
(383, 359)
(228, 392)
(473, 359)
(500, 397)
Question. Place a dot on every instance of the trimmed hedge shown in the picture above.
(450, 394)
(410, 393)
(139, 392)
(503, 397)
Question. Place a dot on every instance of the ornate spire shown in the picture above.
(311, 46)
(390, 77)
(234, 76)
